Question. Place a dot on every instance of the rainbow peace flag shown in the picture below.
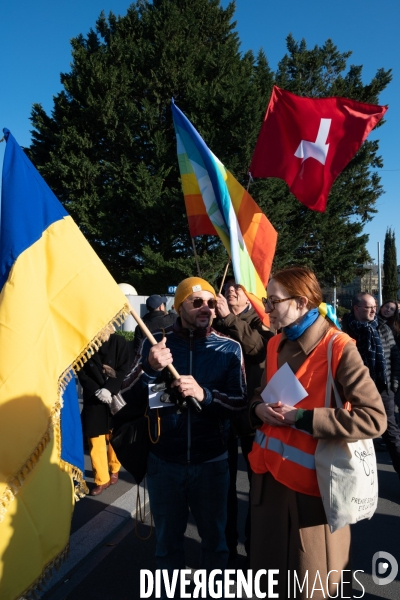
(217, 204)
(56, 300)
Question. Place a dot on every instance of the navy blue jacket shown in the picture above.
(216, 363)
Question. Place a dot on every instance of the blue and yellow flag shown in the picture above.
(56, 301)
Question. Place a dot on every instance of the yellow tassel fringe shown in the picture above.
(53, 429)
(37, 586)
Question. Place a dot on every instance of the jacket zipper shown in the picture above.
(188, 408)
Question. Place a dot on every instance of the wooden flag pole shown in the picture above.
(190, 400)
(196, 257)
(224, 276)
(151, 338)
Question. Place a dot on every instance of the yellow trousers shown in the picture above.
(104, 461)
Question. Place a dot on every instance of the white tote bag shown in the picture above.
(346, 472)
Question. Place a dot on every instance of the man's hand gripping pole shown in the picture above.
(153, 341)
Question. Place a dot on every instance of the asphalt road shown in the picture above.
(107, 555)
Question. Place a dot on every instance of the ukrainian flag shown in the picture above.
(56, 301)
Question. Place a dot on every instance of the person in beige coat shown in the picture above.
(289, 527)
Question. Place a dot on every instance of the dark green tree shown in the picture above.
(390, 284)
(108, 149)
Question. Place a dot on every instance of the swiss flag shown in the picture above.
(309, 141)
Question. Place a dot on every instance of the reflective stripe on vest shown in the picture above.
(287, 452)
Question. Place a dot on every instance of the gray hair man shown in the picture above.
(380, 354)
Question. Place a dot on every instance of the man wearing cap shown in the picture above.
(188, 467)
(156, 318)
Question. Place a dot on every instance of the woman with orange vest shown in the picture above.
(289, 531)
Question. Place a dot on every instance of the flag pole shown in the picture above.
(189, 399)
(224, 276)
(379, 276)
(151, 338)
(196, 257)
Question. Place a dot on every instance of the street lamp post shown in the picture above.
(379, 276)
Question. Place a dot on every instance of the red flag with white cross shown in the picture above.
(307, 142)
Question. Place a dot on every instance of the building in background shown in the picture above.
(139, 304)
(367, 282)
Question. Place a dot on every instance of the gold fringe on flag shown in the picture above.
(48, 571)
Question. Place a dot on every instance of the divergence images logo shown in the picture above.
(381, 561)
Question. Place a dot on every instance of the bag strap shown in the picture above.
(142, 516)
(330, 383)
(158, 426)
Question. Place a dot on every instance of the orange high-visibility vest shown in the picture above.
(286, 452)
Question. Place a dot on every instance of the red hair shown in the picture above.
(300, 281)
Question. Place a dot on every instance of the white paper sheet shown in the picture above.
(284, 386)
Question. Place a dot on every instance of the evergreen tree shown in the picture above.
(108, 150)
(390, 285)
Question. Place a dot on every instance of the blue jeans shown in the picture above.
(173, 490)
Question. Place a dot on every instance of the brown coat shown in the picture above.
(247, 329)
(289, 529)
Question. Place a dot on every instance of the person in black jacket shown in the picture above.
(101, 377)
(375, 343)
(389, 313)
(187, 467)
(156, 318)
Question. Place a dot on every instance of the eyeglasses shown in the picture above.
(235, 286)
(198, 302)
(368, 307)
(270, 304)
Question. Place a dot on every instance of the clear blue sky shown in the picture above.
(35, 49)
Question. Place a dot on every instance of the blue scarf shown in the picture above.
(293, 332)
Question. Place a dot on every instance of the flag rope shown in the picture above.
(249, 182)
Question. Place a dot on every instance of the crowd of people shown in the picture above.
(225, 355)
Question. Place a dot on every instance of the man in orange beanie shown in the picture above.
(188, 468)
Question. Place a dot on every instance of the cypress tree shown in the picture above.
(390, 284)
(108, 149)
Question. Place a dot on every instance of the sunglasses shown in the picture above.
(198, 302)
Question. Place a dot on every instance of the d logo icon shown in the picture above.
(380, 568)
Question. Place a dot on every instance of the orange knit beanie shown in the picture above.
(188, 286)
